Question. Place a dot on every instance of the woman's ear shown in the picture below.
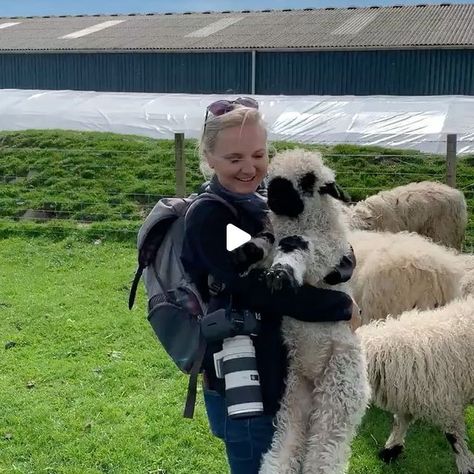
(209, 160)
(205, 168)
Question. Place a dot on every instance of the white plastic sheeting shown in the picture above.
(420, 123)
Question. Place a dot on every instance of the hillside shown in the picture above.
(104, 184)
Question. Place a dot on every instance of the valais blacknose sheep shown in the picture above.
(326, 390)
(401, 271)
(467, 280)
(428, 208)
(421, 366)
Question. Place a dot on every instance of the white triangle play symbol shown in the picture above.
(235, 237)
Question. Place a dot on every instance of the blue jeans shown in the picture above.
(246, 439)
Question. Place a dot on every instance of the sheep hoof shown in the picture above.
(388, 455)
(246, 255)
(280, 276)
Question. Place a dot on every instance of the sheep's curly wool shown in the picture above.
(326, 391)
(428, 208)
(420, 366)
(467, 280)
(397, 272)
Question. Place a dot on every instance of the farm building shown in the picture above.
(400, 50)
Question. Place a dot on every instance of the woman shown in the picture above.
(234, 146)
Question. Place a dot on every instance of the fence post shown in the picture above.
(451, 160)
(180, 164)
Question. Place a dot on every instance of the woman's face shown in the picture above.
(240, 158)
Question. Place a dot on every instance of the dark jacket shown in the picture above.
(204, 253)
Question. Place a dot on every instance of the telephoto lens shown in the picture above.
(238, 365)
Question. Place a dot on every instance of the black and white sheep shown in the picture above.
(326, 390)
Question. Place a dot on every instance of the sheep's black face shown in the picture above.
(283, 198)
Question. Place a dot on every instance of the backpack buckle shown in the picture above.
(215, 287)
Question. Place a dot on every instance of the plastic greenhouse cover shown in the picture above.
(414, 122)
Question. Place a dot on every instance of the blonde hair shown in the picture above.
(237, 117)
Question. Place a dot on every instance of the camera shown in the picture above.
(227, 322)
(236, 362)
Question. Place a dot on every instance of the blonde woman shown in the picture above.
(234, 146)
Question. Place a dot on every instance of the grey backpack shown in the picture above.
(175, 307)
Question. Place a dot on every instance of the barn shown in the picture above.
(399, 50)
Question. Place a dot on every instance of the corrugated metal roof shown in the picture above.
(350, 28)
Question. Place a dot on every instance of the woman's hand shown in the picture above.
(356, 319)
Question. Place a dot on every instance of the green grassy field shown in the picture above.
(86, 389)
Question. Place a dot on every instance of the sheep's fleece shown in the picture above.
(467, 280)
(428, 208)
(397, 272)
(421, 366)
(326, 390)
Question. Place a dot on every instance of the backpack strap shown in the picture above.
(215, 287)
(135, 282)
(193, 379)
(196, 368)
(209, 196)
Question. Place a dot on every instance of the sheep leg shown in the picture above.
(456, 435)
(339, 402)
(253, 253)
(290, 262)
(396, 441)
(284, 456)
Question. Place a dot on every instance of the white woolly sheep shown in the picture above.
(467, 280)
(428, 208)
(326, 390)
(398, 272)
(421, 366)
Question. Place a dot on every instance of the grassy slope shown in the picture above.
(105, 397)
(113, 180)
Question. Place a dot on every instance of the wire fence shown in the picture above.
(105, 190)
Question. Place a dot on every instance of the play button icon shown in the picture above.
(235, 237)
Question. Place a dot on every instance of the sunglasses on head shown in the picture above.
(221, 107)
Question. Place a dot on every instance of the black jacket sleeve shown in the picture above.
(205, 239)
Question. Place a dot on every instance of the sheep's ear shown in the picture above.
(306, 183)
(334, 190)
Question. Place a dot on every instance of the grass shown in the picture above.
(103, 397)
(109, 182)
(86, 389)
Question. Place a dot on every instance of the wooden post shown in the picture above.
(451, 160)
(180, 164)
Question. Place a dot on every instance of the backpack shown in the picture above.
(175, 307)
